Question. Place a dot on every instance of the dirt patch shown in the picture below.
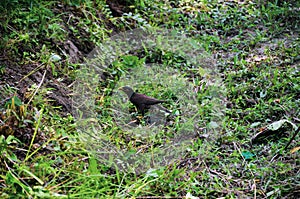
(23, 76)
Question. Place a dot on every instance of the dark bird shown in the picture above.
(140, 101)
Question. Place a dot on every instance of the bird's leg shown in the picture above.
(143, 112)
(148, 120)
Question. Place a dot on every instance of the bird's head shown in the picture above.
(129, 91)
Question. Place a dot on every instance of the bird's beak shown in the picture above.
(121, 88)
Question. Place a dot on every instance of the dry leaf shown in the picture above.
(295, 149)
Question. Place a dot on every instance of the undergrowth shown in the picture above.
(253, 152)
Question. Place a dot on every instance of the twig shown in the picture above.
(31, 72)
(38, 87)
(34, 135)
(288, 144)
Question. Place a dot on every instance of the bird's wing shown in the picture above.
(144, 99)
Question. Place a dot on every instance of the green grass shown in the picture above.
(45, 154)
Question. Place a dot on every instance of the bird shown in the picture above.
(140, 101)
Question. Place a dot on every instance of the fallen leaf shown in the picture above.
(295, 149)
(277, 125)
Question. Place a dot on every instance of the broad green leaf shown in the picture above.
(16, 100)
(248, 155)
(93, 166)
